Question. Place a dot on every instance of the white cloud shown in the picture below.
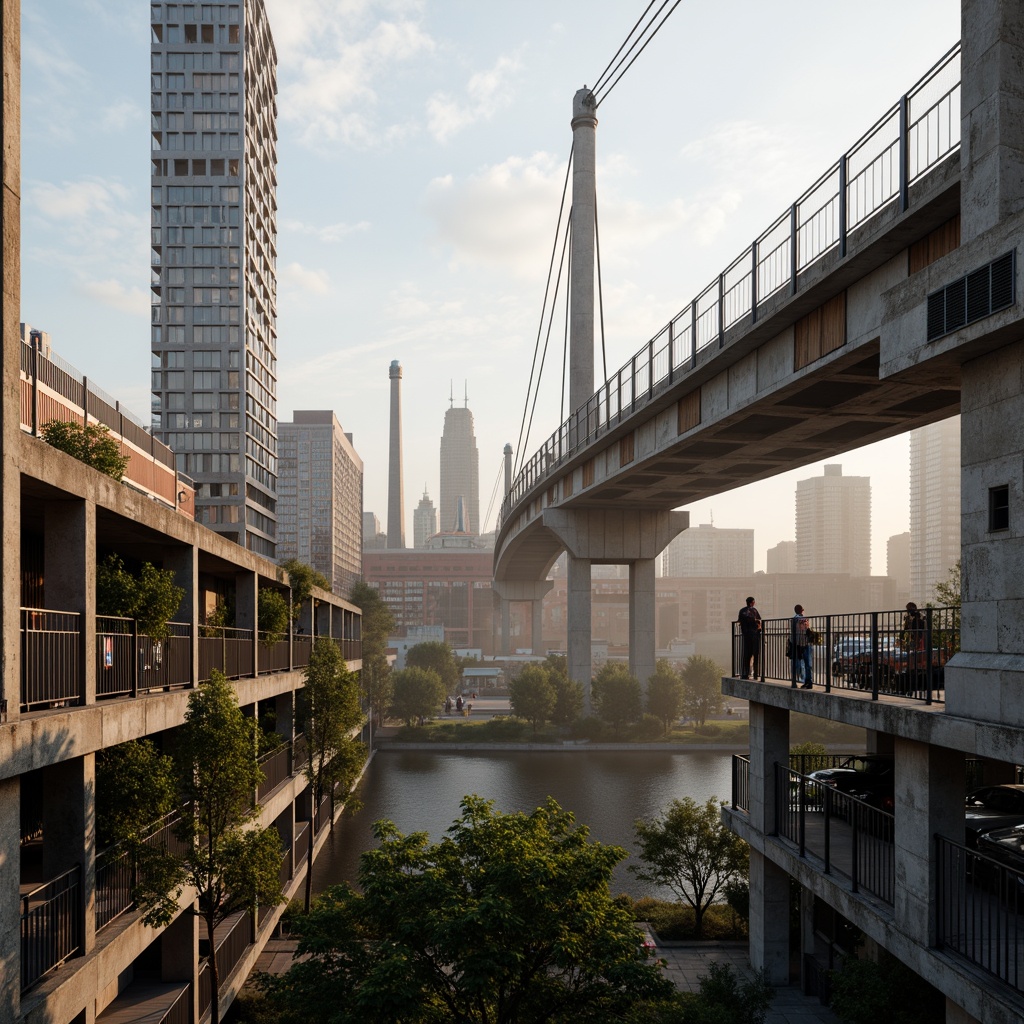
(78, 200)
(487, 92)
(119, 116)
(325, 232)
(113, 293)
(295, 277)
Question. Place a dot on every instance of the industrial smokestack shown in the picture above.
(396, 495)
(508, 468)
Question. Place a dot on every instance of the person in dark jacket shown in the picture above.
(750, 635)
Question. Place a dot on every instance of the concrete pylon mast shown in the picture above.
(508, 468)
(396, 494)
(584, 220)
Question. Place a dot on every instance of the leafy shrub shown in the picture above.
(590, 728)
(708, 730)
(868, 991)
(650, 728)
(92, 445)
(150, 598)
(676, 922)
(272, 615)
(507, 730)
(744, 1002)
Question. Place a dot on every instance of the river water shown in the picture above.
(607, 791)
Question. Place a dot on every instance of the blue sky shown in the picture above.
(422, 149)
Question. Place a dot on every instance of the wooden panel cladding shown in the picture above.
(689, 411)
(944, 239)
(627, 449)
(567, 484)
(588, 473)
(823, 330)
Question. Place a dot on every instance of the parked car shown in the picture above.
(868, 777)
(990, 808)
(1006, 845)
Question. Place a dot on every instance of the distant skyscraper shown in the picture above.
(897, 562)
(424, 521)
(460, 472)
(396, 490)
(320, 501)
(934, 505)
(707, 551)
(782, 557)
(214, 248)
(833, 523)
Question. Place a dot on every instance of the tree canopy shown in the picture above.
(665, 694)
(134, 788)
(617, 696)
(532, 695)
(436, 656)
(377, 624)
(302, 578)
(507, 920)
(418, 693)
(689, 851)
(271, 616)
(702, 688)
(90, 444)
(151, 597)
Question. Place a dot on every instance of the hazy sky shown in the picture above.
(422, 150)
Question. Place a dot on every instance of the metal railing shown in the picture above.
(51, 925)
(179, 1012)
(848, 835)
(741, 782)
(230, 949)
(865, 651)
(300, 750)
(909, 140)
(302, 647)
(51, 656)
(980, 910)
(129, 663)
(276, 768)
(226, 649)
(300, 848)
(273, 655)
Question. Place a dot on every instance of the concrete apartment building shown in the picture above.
(460, 473)
(833, 523)
(934, 506)
(706, 550)
(897, 564)
(782, 557)
(320, 498)
(214, 258)
(72, 948)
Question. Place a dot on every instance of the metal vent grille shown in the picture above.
(979, 294)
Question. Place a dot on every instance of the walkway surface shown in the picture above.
(684, 965)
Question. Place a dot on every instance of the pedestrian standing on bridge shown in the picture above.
(800, 648)
(750, 635)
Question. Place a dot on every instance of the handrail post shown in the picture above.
(929, 674)
(855, 852)
(135, 657)
(874, 656)
(632, 384)
(828, 653)
(753, 282)
(794, 256)
(721, 311)
(671, 350)
(842, 206)
(803, 815)
(904, 153)
(693, 334)
(827, 811)
(650, 368)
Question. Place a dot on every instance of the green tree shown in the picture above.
(690, 852)
(330, 711)
(418, 692)
(617, 696)
(231, 863)
(377, 624)
(702, 688)
(867, 991)
(532, 695)
(436, 656)
(302, 579)
(568, 701)
(271, 616)
(665, 694)
(92, 445)
(151, 598)
(507, 920)
(134, 788)
(948, 592)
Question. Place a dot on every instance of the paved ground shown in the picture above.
(683, 964)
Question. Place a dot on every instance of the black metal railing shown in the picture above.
(51, 657)
(300, 848)
(980, 910)
(915, 135)
(51, 925)
(129, 663)
(273, 653)
(235, 936)
(872, 652)
(848, 835)
(300, 750)
(741, 782)
(276, 767)
(302, 646)
(179, 1011)
(227, 650)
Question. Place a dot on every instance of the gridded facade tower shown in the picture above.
(460, 472)
(320, 502)
(424, 521)
(934, 505)
(214, 254)
(833, 523)
(705, 550)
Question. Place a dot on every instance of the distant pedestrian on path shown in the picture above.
(800, 648)
(750, 635)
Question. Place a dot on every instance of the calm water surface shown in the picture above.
(607, 791)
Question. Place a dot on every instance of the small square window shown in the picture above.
(998, 508)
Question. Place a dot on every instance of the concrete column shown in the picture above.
(769, 918)
(69, 565)
(991, 114)
(507, 463)
(284, 713)
(642, 620)
(179, 956)
(806, 933)
(769, 745)
(584, 212)
(246, 615)
(929, 801)
(506, 625)
(396, 495)
(69, 830)
(537, 627)
(10, 905)
(579, 627)
(185, 563)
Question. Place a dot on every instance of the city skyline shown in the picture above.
(433, 248)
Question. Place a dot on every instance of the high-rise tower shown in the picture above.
(424, 521)
(833, 523)
(460, 472)
(396, 494)
(214, 250)
(934, 505)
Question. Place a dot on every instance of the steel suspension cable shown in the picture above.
(540, 326)
(601, 77)
(494, 493)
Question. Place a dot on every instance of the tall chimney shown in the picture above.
(508, 468)
(396, 496)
